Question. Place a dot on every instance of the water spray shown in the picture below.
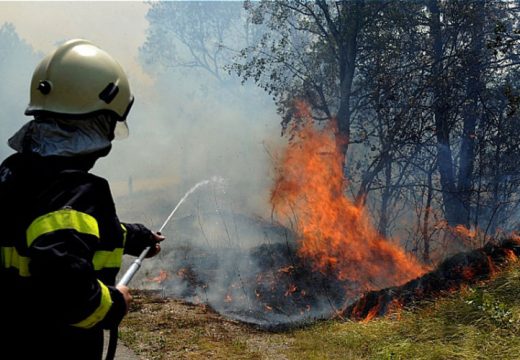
(134, 267)
(132, 270)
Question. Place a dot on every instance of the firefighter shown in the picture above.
(62, 242)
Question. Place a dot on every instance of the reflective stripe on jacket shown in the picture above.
(63, 240)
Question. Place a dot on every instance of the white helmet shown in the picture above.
(77, 79)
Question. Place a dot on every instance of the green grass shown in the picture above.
(482, 322)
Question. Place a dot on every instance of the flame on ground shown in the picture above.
(336, 234)
(163, 275)
(452, 274)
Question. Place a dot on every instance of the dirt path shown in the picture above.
(158, 328)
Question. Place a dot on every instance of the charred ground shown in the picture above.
(481, 321)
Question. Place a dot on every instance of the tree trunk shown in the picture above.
(347, 51)
(453, 209)
(470, 112)
(385, 201)
(426, 221)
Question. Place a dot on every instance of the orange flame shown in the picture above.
(292, 289)
(461, 230)
(511, 256)
(468, 273)
(493, 270)
(472, 238)
(163, 275)
(336, 234)
(373, 312)
(395, 307)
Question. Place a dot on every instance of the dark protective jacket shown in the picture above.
(61, 246)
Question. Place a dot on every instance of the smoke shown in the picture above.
(184, 134)
(185, 127)
(202, 130)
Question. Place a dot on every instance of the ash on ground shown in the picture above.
(246, 269)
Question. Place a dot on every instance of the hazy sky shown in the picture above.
(118, 27)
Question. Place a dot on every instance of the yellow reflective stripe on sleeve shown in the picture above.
(125, 231)
(62, 219)
(108, 259)
(101, 311)
(11, 259)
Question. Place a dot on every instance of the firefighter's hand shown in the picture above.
(123, 289)
(156, 238)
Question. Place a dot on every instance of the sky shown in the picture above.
(113, 25)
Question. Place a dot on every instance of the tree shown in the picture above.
(17, 62)
(464, 73)
(423, 93)
(410, 86)
(193, 35)
(311, 52)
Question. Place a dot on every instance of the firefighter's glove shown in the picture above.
(155, 238)
(139, 237)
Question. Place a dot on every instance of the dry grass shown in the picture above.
(168, 329)
(482, 322)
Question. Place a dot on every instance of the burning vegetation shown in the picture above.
(320, 258)
(453, 273)
(335, 234)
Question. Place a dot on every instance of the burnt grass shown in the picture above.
(268, 286)
(468, 323)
